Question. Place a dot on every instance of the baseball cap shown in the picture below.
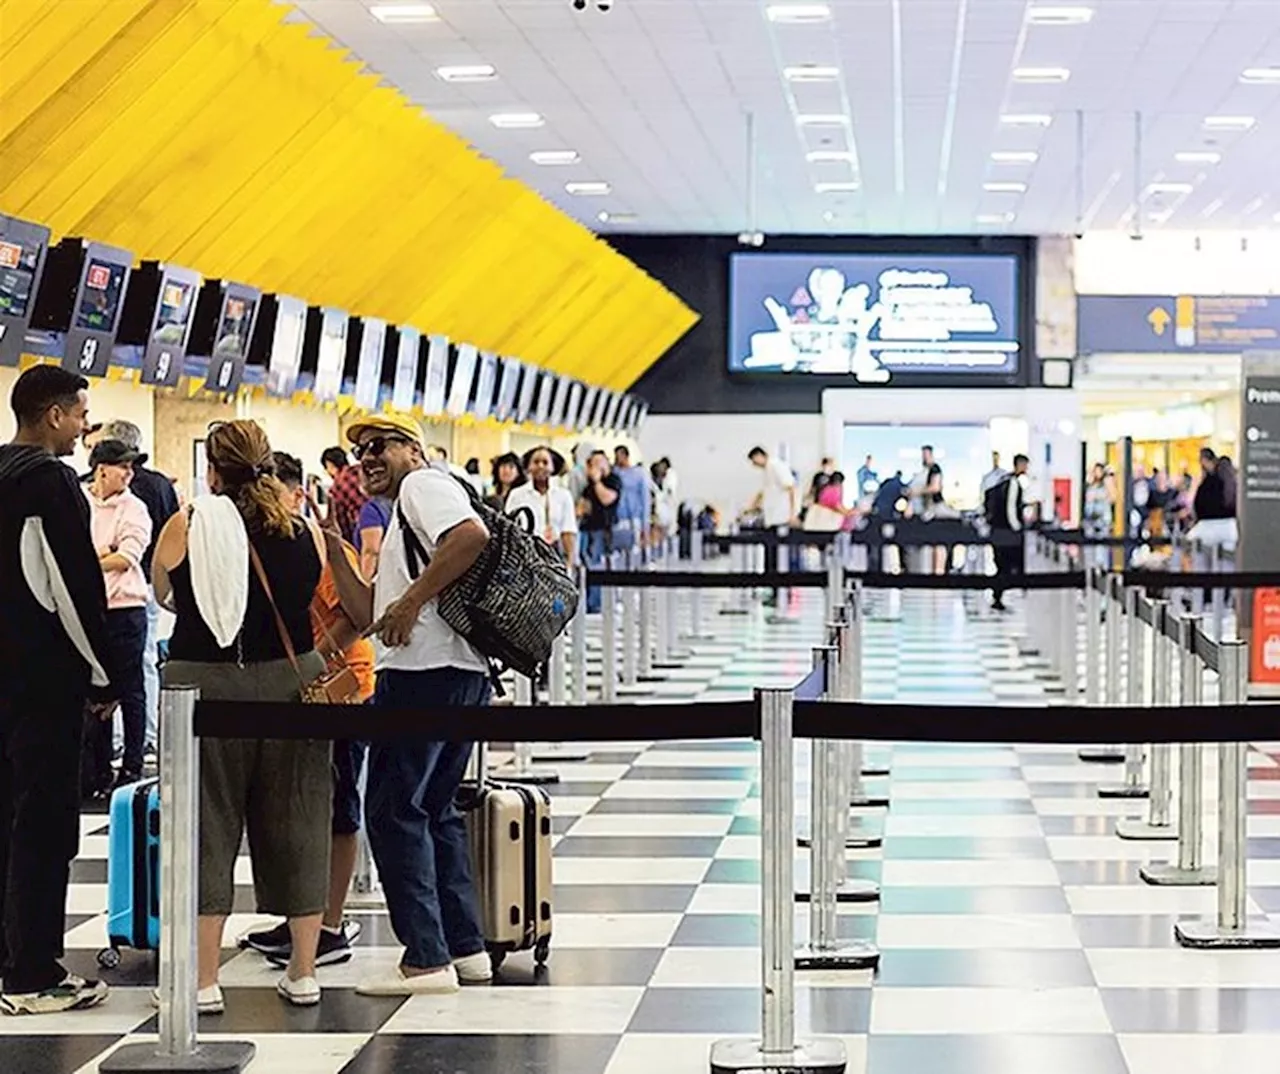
(394, 424)
(114, 452)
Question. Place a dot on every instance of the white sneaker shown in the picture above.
(435, 983)
(474, 969)
(72, 993)
(208, 1000)
(304, 992)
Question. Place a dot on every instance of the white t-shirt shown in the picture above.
(778, 481)
(433, 503)
(553, 513)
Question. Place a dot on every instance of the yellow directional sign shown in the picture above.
(1159, 320)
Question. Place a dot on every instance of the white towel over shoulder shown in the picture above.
(218, 558)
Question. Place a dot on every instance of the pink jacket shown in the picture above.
(122, 524)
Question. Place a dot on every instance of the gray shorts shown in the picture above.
(280, 790)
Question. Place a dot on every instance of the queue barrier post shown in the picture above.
(1159, 822)
(523, 769)
(852, 793)
(1070, 640)
(557, 694)
(630, 637)
(1134, 754)
(856, 616)
(647, 601)
(608, 645)
(179, 1049)
(1232, 928)
(1218, 596)
(778, 1050)
(1189, 870)
(578, 642)
(1095, 581)
(695, 596)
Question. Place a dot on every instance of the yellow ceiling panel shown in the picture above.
(215, 135)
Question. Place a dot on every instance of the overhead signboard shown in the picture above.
(1258, 509)
(369, 369)
(486, 385)
(333, 355)
(22, 250)
(231, 339)
(95, 315)
(433, 395)
(542, 411)
(406, 379)
(464, 374)
(286, 346)
(505, 405)
(528, 388)
(1167, 324)
(162, 361)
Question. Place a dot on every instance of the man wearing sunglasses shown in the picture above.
(425, 867)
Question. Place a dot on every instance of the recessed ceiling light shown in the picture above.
(1005, 188)
(1041, 74)
(1169, 188)
(1198, 156)
(589, 189)
(555, 156)
(811, 72)
(835, 188)
(822, 119)
(828, 216)
(1026, 119)
(404, 13)
(1015, 156)
(516, 120)
(1229, 123)
(829, 156)
(616, 218)
(1059, 16)
(1263, 76)
(797, 12)
(995, 218)
(467, 72)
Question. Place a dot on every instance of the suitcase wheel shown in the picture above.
(497, 956)
(542, 951)
(109, 958)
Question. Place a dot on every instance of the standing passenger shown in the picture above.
(548, 507)
(347, 495)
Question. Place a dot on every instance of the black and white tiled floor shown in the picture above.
(1016, 935)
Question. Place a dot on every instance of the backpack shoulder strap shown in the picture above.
(415, 553)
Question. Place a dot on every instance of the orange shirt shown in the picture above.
(326, 613)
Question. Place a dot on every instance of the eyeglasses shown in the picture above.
(376, 445)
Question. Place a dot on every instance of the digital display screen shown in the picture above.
(573, 412)
(437, 374)
(231, 340)
(874, 317)
(546, 383)
(485, 384)
(611, 414)
(406, 369)
(286, 346)
(590, 400)
(369, 369)
(162, 361)
(528, 390)
(19, 261)
(464, 372)
(560, 399)
(100, 295)
(510, 381)
(333, 355)
(173, 314)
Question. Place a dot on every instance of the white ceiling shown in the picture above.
(654, 93)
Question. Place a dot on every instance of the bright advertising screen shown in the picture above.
(874, 317)
(100, 295)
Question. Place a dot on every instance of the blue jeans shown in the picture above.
(595, 556)
(418, 838)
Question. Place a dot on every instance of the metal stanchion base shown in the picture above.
(1163, 874)
(1130, 828)
(855, 889)
(366, 900)
(851, 955)
(556, 753)
(534, 777)
(735, 611)
(1100, 755)
(852, 841)
(740, 1056)
(875, 770)
(220, 1057)
(1122, 790)
(869, 801)
(1209, 934)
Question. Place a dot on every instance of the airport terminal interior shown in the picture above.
(878, 367)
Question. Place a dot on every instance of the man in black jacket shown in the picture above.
(1005, 508)
(52, 637)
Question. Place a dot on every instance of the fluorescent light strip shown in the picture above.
(1168, 188)
(1261, 76)
(1228, 123)
(516, 120)
(995, 218)
(1039, 75)
(1026, 119)
(1059, 16)
(467, 72)
(829, 156)
(811, 72)
(1005, 188)
(835, 188)
(616, 218)
(797, 12)
(554, 157)
(1015, 156)
(404, 13)
(822, 119)
(1198, 156)
(588, 189)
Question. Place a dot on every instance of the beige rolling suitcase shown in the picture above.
(509, 826)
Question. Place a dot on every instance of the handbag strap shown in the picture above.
(280, 627)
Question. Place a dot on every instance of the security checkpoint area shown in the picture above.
(871, 826)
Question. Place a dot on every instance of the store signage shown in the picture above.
(1259, 511)
(1163, 324)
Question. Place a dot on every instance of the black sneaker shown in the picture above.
(334, 947)
(71, 994)
(272, 942)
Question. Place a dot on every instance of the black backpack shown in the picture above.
(514, 601)
(995, 503)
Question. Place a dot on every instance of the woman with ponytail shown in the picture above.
(240, 640)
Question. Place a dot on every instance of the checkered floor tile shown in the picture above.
(1016, 934)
